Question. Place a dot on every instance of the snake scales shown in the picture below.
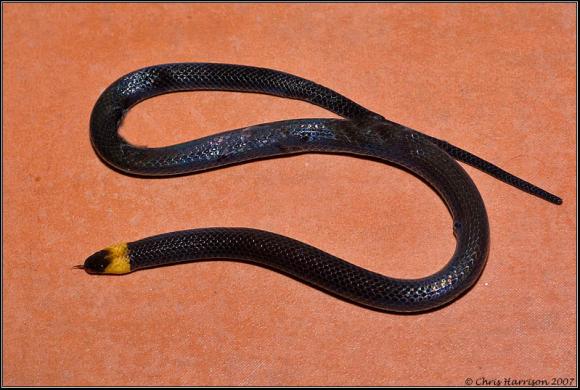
(362, 133)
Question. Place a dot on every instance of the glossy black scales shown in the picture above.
(362, 133)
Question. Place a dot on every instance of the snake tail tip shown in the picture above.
(554, 199)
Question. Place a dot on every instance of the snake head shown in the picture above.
(111, 260)
(97, 263)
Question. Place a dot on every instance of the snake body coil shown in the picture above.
(362, 133)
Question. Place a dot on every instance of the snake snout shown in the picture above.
(97, 263)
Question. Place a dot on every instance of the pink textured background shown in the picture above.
(495, 79)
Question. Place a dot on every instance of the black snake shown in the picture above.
(362, 133)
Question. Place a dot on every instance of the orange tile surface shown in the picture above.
(496, 79)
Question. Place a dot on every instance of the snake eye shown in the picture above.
(97, 263)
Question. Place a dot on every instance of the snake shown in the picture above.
(357, 132)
